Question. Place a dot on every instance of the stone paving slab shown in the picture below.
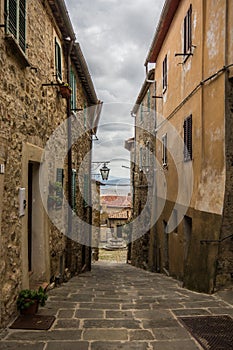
(117, 306)
(80, 345)
(175, 345)
(119, 346)
(106, 334)
(21, 346)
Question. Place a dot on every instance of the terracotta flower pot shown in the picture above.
(31, 310)
(65, 91)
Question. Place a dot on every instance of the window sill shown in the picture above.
(16, 50)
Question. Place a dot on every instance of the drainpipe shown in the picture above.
(69, 46)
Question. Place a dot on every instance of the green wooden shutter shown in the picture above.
(73, 186)
(86, 190)
(58, 60)
(59, 191)
(73, 87)
(22, 24)
(140, 157)
(148, 100)
(15, 17)
(141, 112)
(85, 115)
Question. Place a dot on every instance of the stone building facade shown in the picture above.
(142, 172)
(193, 56)
(36, 59)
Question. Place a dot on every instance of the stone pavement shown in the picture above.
(117, 306)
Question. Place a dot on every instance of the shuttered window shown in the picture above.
(148, 154)
(188, 139)
(15, 18)
(164, 149)
(140, 157)
(188, 31)
(85, 115)
(73, 87)
(73, 186)
(148, 100)
(59, 189)
(165, 73)
(86, 190)
(58, 61)
(141, 112)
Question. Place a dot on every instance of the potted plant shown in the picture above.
(65, 90)
(29, 300)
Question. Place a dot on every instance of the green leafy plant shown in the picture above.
(27, 297)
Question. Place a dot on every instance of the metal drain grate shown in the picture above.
(212, 332)
(38, 322)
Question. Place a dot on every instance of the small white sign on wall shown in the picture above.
(22, 201)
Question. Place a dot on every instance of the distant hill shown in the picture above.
(117, 181)
(116, 186)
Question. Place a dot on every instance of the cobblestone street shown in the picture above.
(117, 306)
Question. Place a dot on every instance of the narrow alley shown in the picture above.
(117, 306)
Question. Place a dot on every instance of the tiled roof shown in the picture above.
(116, 201)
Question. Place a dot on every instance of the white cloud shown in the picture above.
(115, 36)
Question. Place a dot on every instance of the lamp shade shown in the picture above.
(104, 172)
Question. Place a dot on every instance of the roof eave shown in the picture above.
(62, 18)
(143, 90)
(83, 73)
(167, 15)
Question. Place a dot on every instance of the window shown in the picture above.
(188, 139)
(148, 154)
(141, 112)
(59, 188)
(15, 17)
(165, 74)
(148, 100)
(140, 158)
(73, 87)
(175, 220)
(164, 149)
(58, 60)
(86, 190)
(73, 187)
(188, 31)
(85, 115)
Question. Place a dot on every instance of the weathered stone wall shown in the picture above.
(225, 259)
(143, 178)
(29, 113)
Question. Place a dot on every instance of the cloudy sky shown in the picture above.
(115, 36)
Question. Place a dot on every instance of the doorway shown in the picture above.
(166, 246)
(187, 236)
(37, 240)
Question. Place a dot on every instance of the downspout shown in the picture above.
(69, 157)
(90, 202)
(226, 141)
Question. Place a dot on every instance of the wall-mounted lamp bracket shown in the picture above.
(76, 109)
(51, 84)
(184, 54)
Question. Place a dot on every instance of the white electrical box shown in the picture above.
(22, 201)
(2, 168)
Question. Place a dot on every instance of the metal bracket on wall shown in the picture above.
(216, 240)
